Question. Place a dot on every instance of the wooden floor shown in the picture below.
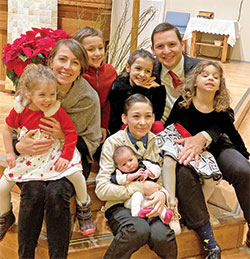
(238, 81)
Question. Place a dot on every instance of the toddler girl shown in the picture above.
(36, 98)
(137, 78)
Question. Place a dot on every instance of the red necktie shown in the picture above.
(176, 80)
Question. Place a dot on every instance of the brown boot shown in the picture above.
(7, 220)
(84, 216)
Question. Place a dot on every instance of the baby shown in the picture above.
(129, 168)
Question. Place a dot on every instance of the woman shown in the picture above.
(68, 61)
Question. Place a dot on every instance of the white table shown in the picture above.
(197, 26)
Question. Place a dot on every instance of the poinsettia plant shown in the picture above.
(32, 47)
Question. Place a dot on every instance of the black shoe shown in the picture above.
(7, 220)
(248, 239)
(214, 253)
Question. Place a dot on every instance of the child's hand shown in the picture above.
(11, 160)
(61, 164)
(131, 177)
(150, 83)
(104, 134)
(146, 174)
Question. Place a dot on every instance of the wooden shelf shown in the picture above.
(209, 44)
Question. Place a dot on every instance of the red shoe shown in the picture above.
(143, 212)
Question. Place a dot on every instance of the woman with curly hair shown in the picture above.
(203, 105)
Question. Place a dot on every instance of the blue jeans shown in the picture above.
(51, 199)
(131, 233)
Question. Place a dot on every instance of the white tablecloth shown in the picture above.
(214, 26)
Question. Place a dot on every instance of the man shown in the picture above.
(167, 47)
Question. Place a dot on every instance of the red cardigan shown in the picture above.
(101, 80)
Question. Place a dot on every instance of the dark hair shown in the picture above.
(86, 32)
(76, 48)
(162, 27)
(135, 98)
(119, 150)
(139, 53)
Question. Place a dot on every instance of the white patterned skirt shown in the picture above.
(208, 167)
(41, 167)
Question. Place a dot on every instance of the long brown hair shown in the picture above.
(188, 89)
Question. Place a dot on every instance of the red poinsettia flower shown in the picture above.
(32, 47)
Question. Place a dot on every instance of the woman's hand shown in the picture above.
(54, 130)
(61, 164)
(104, 134)
(192, 148)
(150, 187)
(157, 200)
(29, 146)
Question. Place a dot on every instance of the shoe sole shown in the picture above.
(8, 230)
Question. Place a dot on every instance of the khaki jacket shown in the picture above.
(105, 189)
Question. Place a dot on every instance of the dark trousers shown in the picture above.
(235, 169)
(52, 199)
(131, 233)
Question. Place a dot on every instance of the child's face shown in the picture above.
(43, 97)
(139, 118)
(127, 161)
(95, 49)
(140, 71)
(208, 80)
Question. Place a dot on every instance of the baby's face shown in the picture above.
(127, 161)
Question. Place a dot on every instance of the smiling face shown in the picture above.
(43, 97)
(208, 80)
(95, 49)
(65, 66)
(140, 71)
(126, 161)
(139, 118)
(167, 48)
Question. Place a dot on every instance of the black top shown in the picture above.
(195, 121)
(121, 90)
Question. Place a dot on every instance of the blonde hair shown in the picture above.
(188, 89)
(32, 76)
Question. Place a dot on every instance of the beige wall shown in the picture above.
(223, 9)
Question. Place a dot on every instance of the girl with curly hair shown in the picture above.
(203, 105)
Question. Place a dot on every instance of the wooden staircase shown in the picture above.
(229, 234)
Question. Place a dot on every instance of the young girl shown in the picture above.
(129, 169)
(99, 74)
(36, 99)
(131, 233)
(203, 104)
(137, 78)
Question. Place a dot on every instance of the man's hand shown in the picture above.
(192, 148)
(29, 146)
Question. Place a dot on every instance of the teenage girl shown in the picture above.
(36, 98)
(137, 78)
(131, 233)
(204, 104)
